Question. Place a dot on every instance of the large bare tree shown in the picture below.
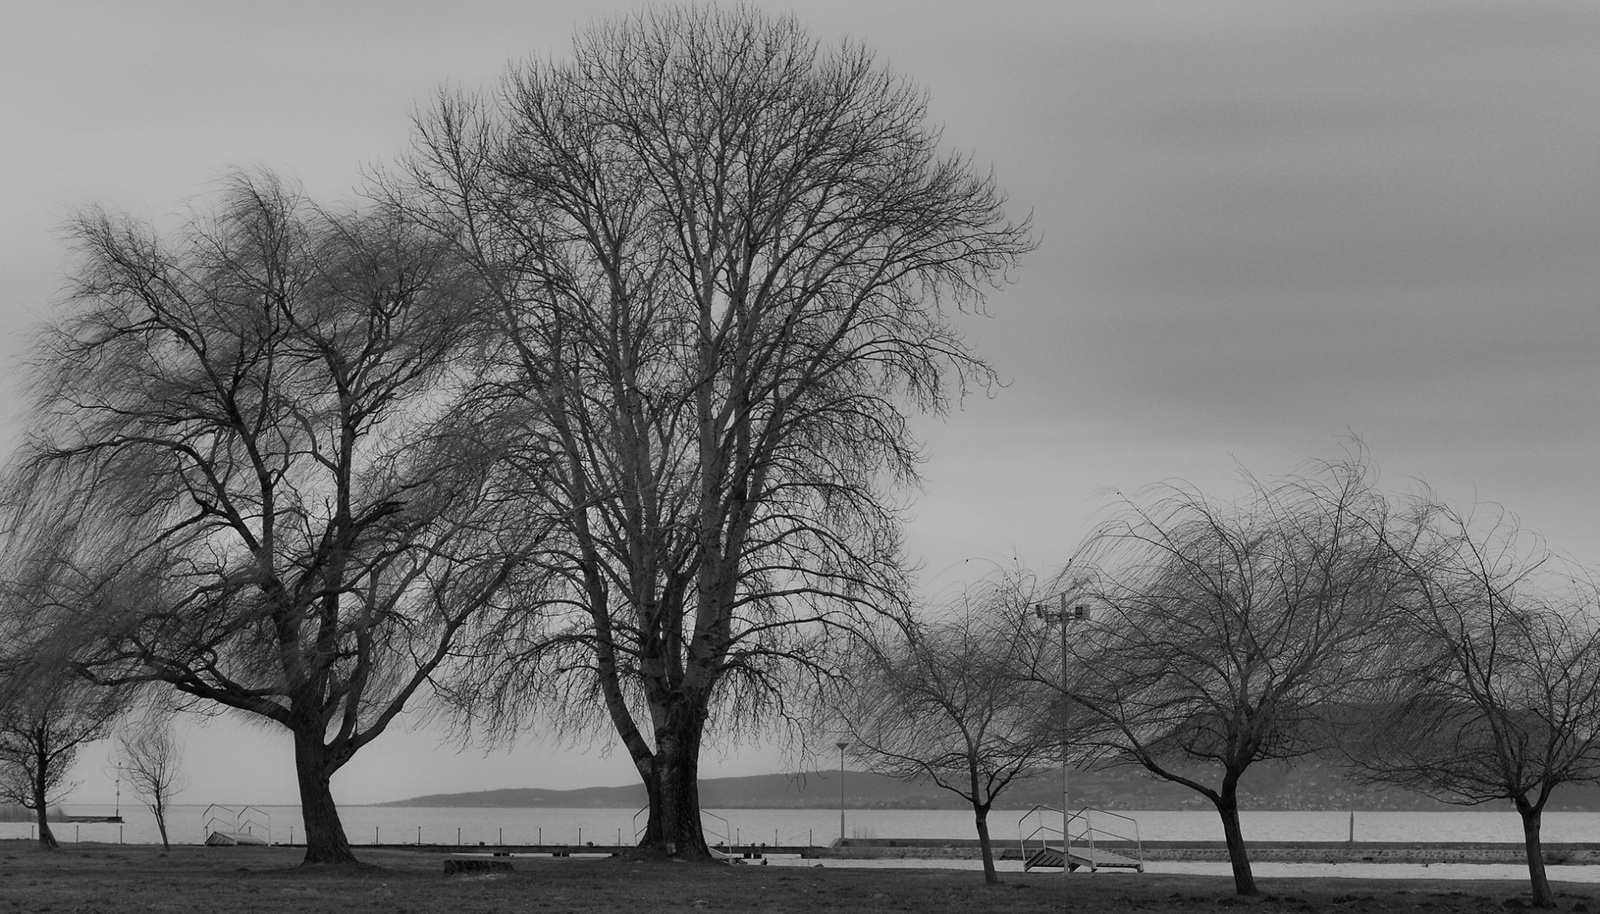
(1225, 629)
(724, 258)
(950, 700)
(239, 461)
(1493, 685)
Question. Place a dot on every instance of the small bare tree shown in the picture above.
(951, 701)
(149, 755)
(1226, 629)
(1493, 690)
(45, 718)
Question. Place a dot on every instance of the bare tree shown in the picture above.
(238, 451)
(150, 757)
(723, 258)
(1493, 690)
(44, 720)
(1227, 628)
(950, 700)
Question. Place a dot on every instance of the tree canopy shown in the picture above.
(723, 260)
(242, 480)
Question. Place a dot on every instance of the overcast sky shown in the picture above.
(1263, 227)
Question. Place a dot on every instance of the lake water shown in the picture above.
(470, 826)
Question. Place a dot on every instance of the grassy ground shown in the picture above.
(98, 879)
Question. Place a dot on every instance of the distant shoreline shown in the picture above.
(1307, 787)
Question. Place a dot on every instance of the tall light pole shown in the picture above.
(842, 746)
(1065, 616)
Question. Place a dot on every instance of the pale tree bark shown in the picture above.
(722, 257)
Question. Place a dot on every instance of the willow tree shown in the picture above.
(238, 460)
(949, 699)
(1492, 691)
(725, 260)
(1225, 631)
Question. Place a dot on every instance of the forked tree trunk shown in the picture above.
(1531, 815)
(325, 838)
(673, 785)
(1227, 801)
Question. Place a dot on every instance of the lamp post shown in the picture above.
(842, 746)
(1065, 616)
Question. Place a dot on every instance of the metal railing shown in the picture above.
(236, 820)
(705, 828)
(1086, 828)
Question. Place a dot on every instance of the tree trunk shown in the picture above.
(980, 815)
(47, 838)
(1244, 881)
(159, 809)
(674, 789)
(325, 838)
(1540, 883)
(651, 837)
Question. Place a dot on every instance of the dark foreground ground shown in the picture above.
(100, 879)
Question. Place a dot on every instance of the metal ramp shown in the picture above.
(1091, 843)
(1078, 858)
(229, 826)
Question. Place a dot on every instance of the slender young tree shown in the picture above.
(150, 757)
(951, 701)
(1493, 687)
(239, 460)
(724, 259)
(1226, 630)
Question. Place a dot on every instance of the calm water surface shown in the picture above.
(470, 826)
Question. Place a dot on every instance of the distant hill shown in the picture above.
(1307, 785)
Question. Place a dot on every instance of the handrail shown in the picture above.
(241, 820)
(639, 830)
(725, 830)
(1086, 833)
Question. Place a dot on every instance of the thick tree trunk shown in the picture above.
(673, 784)
(980, 815)
(1543, 897)
(325, 838)
(1244, 881)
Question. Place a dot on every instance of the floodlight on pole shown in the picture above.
(1065, 616)
(842, 746)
